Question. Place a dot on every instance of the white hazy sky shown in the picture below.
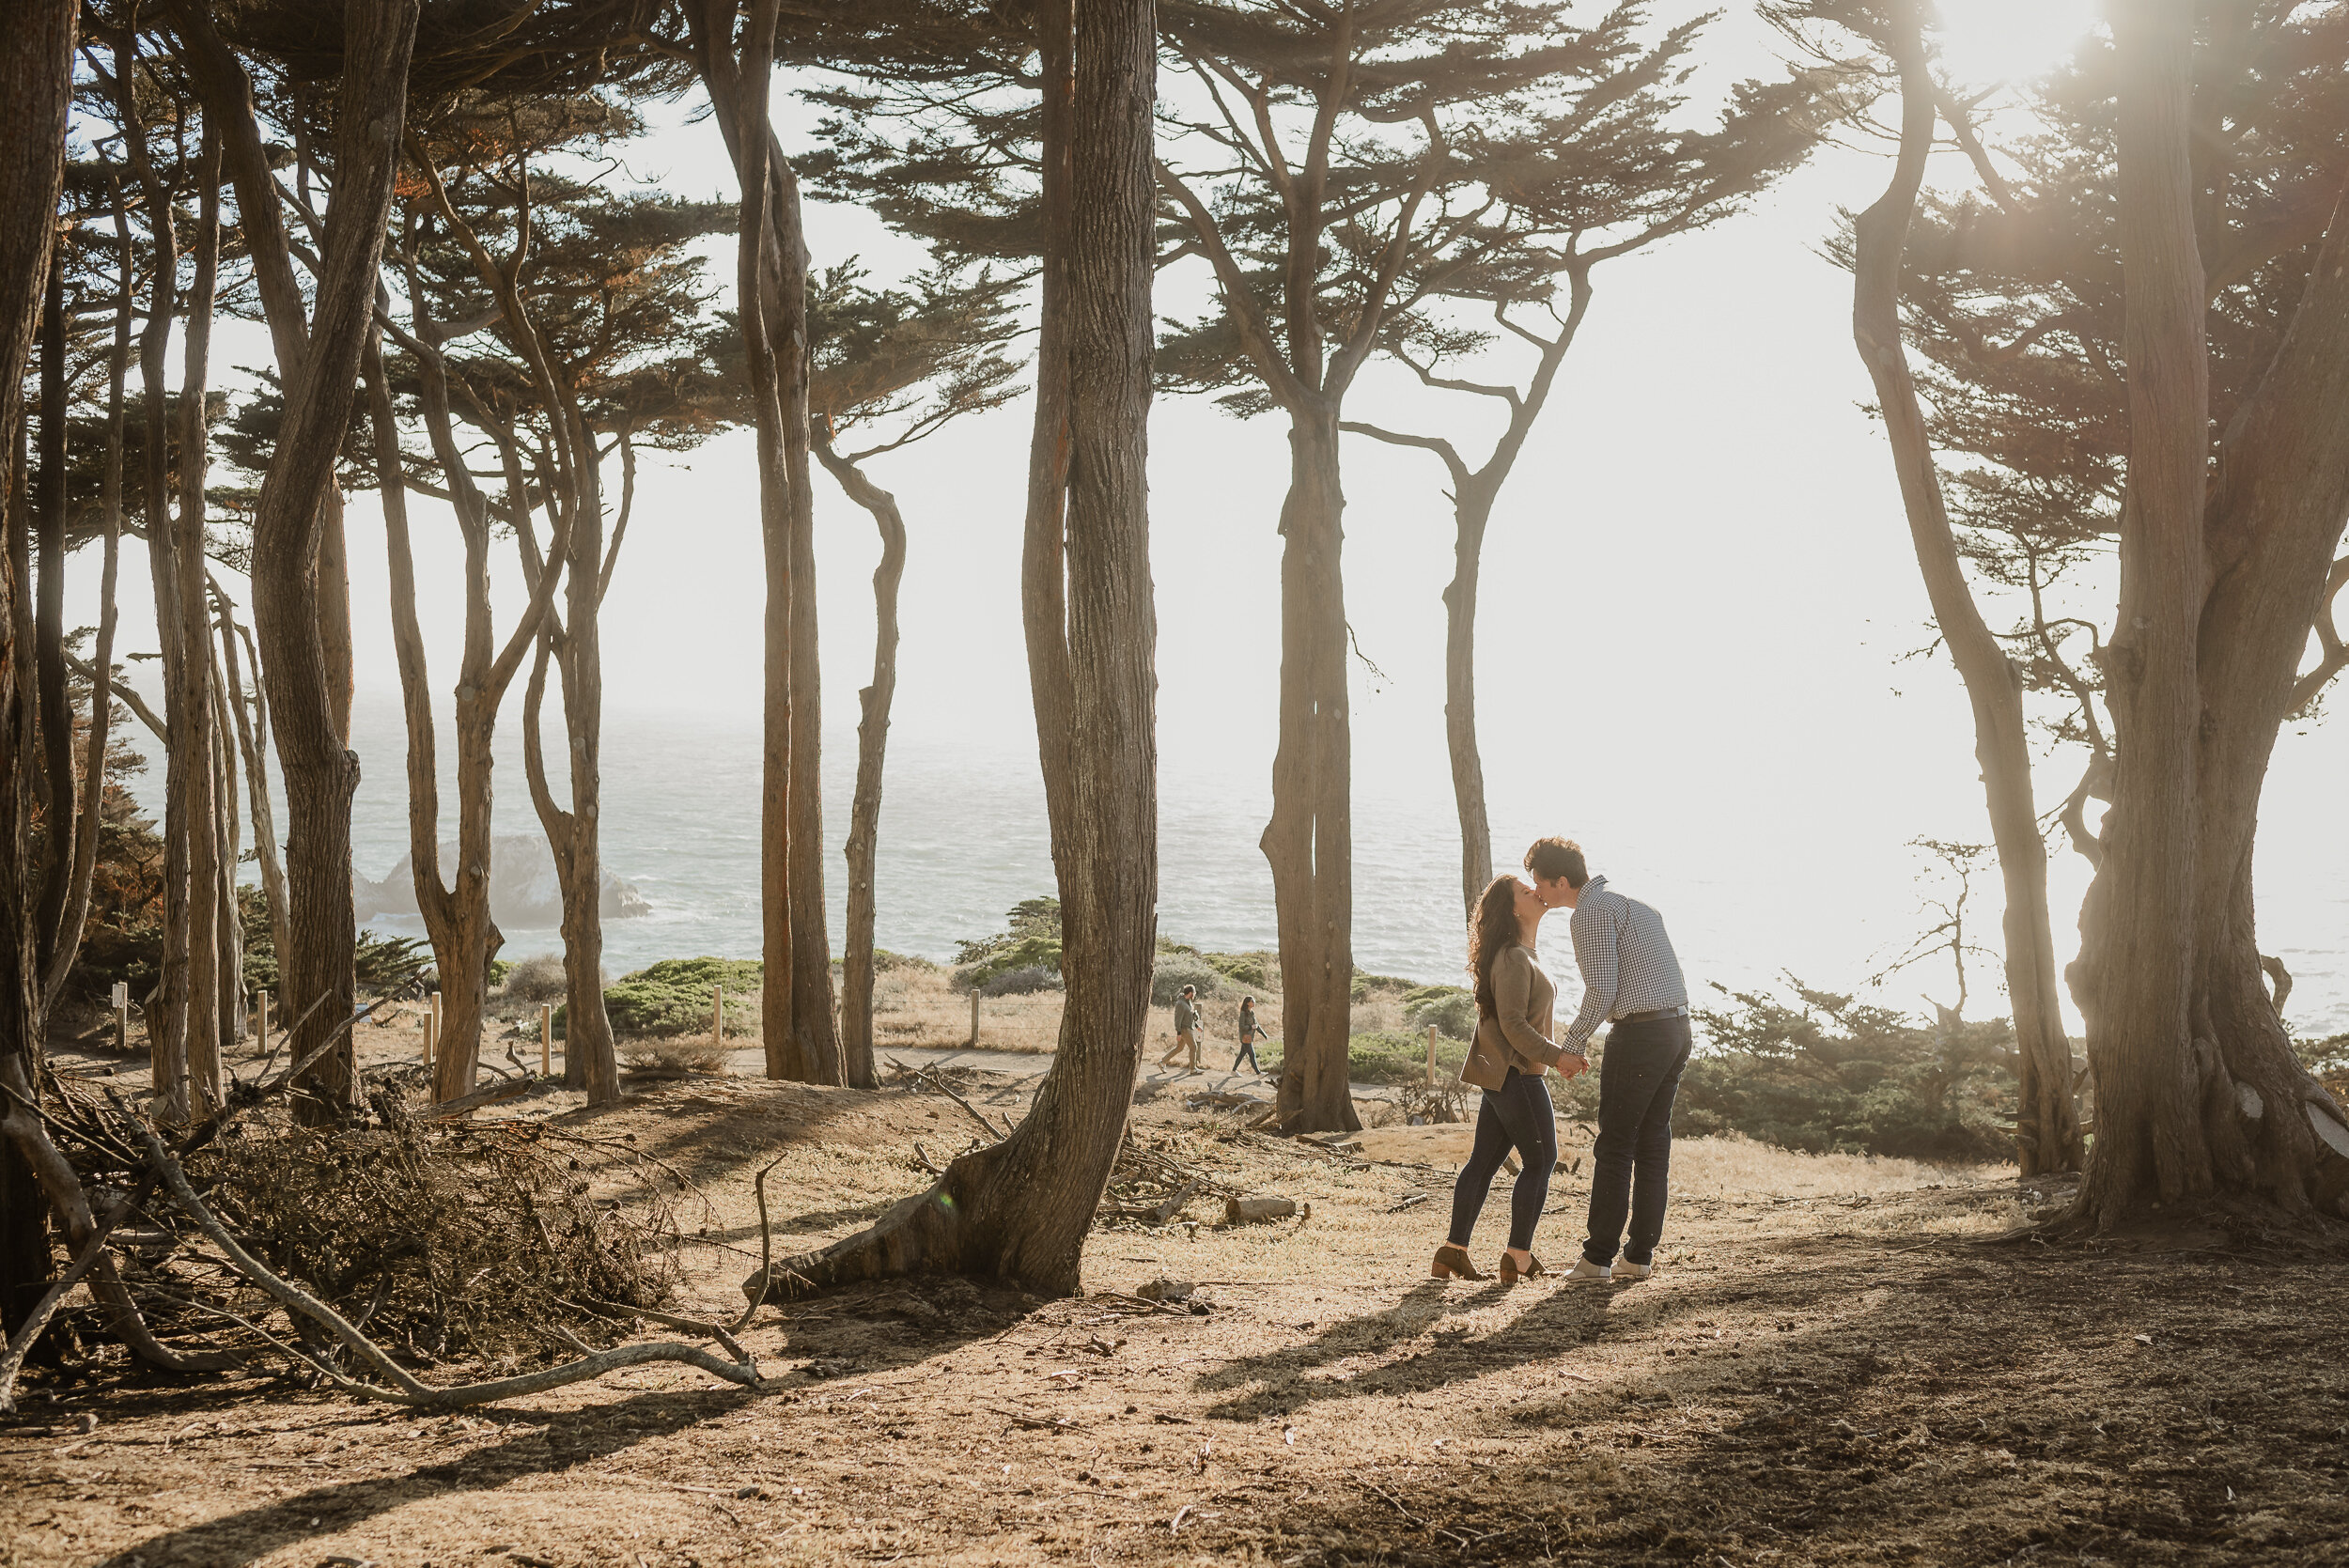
(1698, 592)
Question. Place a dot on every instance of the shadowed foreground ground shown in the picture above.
(1836, 1365)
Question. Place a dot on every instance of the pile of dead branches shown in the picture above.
(439, 1235)
(461, 1240)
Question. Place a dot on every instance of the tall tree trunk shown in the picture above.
(252, 725)
(872, 745)
(812, 1018)
(1021, 1208)
(2223, 573)
(167, 1022)
(35, 86)
(188, 656)
(228, 918)
(53, 714)
(320, 773)
(90, 810)
(771, 277)
(2047, 1128)
(1309, 839)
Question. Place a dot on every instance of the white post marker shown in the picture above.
(546, 1039)
(432, 1027)
(1431, 1056)
(122, 1014)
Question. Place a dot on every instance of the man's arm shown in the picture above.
(1594, 954)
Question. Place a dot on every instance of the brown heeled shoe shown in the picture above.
(1510, 1273)
(1453, 1263)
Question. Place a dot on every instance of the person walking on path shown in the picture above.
(1631, 981)
(1507, 1060)
(1247, 1032)
(1186, 1028)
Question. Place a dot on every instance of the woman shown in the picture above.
(1247, 1032)
(1511, 1052)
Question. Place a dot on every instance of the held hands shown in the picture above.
(1570, 1064)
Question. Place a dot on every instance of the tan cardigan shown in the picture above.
(1518, 1035)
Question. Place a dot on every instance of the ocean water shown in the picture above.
(963, 838)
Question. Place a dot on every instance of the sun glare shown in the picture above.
(1984, 41)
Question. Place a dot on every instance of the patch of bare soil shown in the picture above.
(1839, 1361)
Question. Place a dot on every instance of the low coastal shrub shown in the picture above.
(1451, 1008)
(1385, 1057)
(1030, 940)
(538, 979)
(1023, 982)
(1822, 1072)
(674, 996)
(1177, 971)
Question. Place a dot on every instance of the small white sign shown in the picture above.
(123, 995)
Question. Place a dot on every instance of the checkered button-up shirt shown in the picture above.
(1627, 962)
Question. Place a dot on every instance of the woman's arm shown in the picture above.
(1513, 1006)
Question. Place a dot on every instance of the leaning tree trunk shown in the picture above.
(35, 86)
(1473, 510)
(2047, 1127)
(315, 972)
(1020, 1209)
(872, 745)
(1310, 840)
(2198, 1092)
(252, 727)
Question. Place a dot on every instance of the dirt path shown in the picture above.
(1838, 1364)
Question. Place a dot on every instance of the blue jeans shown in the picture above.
(1517, 1116)
(1633, 1156)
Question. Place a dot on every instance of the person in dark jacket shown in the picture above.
(1247, 1032)
(1186, 1028)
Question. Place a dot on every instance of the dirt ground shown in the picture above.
(1837, 1361)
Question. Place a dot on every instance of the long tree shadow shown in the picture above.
(539, 1443)
(1555, 1322)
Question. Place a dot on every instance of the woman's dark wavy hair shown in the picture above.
(1494, 928)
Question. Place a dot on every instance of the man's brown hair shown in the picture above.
(1552, 858)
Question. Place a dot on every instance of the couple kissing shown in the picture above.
(1631, 984)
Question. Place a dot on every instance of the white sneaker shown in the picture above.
(1586, 1272)
(1626, 1269)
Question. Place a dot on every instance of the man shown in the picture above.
(1186, 1028)
(1630, 982)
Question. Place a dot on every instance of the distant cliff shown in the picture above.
(524, 892)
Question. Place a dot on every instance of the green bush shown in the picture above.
(1366, 983)
(538, 979)
(674, 996)
(1030, 942)
(1451, 1008)
(1827, 1074)
(1177, 971)
(1385, 1057)
(499, 970)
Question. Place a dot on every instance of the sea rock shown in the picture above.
(524, 893)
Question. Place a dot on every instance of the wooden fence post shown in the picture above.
(718, 1017)
(974, 1015)
(260, 1023)
(1431, 1056)
(432, 1023)
(122, 1014)
(546, 1039)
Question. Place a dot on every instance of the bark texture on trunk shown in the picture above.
(2223, 572)
(55, 715)
(2047, 1125)
(36, 85)
(1021, 1208)
(320, 773)
(872, 746)
(251, 718)
(1310, 840)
